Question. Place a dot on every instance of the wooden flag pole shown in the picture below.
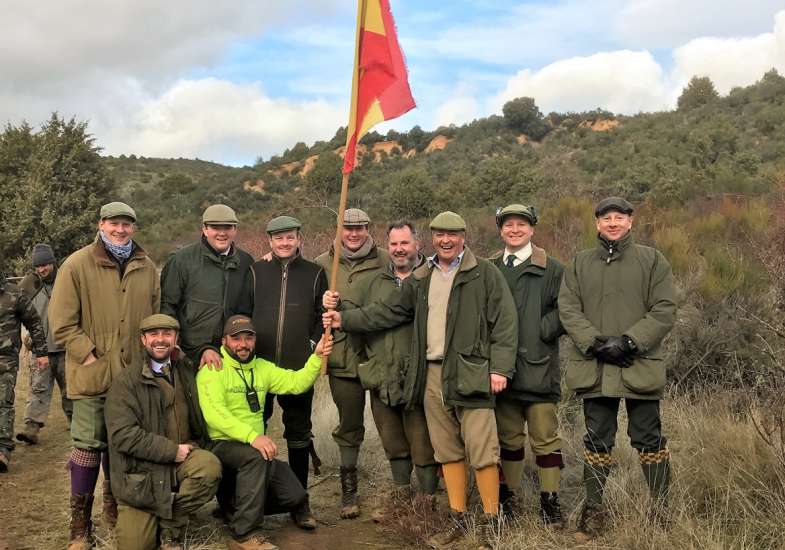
(337, 250)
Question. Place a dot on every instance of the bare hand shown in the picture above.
(325, 346)
(330, 299)
(498, 382)
(268, 257)
(182, 452)
(42, 362)
(331, 319)
(89, 359)
(212, 359)
(266, 446)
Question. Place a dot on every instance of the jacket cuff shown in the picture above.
(251, 436)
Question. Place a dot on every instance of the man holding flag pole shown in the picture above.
(380, 91)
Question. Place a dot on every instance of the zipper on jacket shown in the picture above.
(281, 313)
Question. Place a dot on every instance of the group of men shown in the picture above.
(460, 355)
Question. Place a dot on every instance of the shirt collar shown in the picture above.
(433, 261)
(520, 256)
(157, 367)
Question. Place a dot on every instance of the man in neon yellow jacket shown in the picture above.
(232, 402)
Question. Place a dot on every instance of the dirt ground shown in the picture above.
(34, 513)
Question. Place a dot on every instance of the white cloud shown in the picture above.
(215, 119)
(732, 62)
(622, 82)
(456, 110)
(632, 81)
(654, 24)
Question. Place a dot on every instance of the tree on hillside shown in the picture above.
(699, 91)
(52, 184)
(410, 195)
(522, 114)
(324, 179)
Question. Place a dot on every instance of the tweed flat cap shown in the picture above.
(448, 221)
(219, 214)
(117, 210)
(613, 203)
(283, 223)
(158, 320)
(522, 210)
(355, 216)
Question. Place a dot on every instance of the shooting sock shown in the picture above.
(596, 469)
(549, 469)
(349, 455)
(657, 469)
(456, 479)
(512, 468)
(84, 466)
(488, 484)
(401, 469)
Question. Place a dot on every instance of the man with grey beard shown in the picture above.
(404, 433)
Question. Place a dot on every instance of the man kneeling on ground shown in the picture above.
(232, 401)
(159, 474)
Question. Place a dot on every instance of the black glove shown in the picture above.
(614, 350)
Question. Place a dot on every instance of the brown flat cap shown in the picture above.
(237, 324)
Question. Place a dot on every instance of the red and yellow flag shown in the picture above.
(380, 87)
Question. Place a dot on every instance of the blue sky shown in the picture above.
(234, 81)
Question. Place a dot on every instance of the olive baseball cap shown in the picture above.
(219, 214)
(237, 324)
(612, 203)
(526, 212)
(158, 320)
(283, 223)
(448, 221)
(117, 210)
(355, 216)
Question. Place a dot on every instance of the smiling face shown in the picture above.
(241, 346)
(159, 343)
(220, 236)
(448, 244)
(613, 225)
(403, 248)
(516, 232)
(44, 270)
(118, 230)
(284, 244)
(353, 237)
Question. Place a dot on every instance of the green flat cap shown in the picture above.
(116, 210)
(355, 216)
(283, 223)
(613, 203)
(237, 324)
(219, 214)
(526, 212)
(448, 221)
(158, 320)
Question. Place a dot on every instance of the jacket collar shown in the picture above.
(538, 258)
(610, 250)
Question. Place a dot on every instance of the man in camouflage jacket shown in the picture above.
(15, 309)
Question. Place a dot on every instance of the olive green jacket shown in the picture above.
(385, 357)
(95, 309)
(141, 457)
(345, 357)
(535, 288)
(613, 289)
(481, 335)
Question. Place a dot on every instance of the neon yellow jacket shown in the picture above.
(222, 394)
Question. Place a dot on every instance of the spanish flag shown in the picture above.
(380, 87)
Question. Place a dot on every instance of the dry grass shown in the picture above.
(728, 490)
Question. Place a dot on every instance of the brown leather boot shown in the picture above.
(81, 525)
(255, 542)
(109, 505)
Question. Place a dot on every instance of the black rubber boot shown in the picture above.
(350, 507)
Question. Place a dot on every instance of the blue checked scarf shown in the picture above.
(121, 252)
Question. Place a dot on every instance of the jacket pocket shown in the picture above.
(92, 379)
(534, 374)
(581, 373)
(139, 490)
(370, 373)
(474, 377)
(645, 376)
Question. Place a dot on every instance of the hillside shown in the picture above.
(723, 145)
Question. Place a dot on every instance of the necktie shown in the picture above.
(510, 261)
